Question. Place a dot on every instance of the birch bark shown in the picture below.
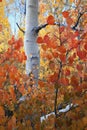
(31, 48)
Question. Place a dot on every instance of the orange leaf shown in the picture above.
(71, 59)
(62, 58)
(76, 33)
(67, 72)
(81, 54)
(46, 39)
(41, 83)
(69, 21)
(53, 78)
(61, 49)
(55, 54)
(12, 41)
(0, 0)
(2, 112)
(79, 67)
(73, 44)
(50, 20)
(39, 40)
(74, 81)
(44, 47)
(52, 44)
(49, 56)
(64, 81)
(12, 123)
(65, 14)
(61, 29)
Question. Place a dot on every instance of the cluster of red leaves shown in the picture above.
(11, 76)
(13, 85)
(14, 51)
(59, 51)
(67, 57)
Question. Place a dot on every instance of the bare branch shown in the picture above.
(37, 29)
(20, 28)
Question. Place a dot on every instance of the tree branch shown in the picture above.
(37, 29)
(20, 28)
(76, 24)
(62, 110)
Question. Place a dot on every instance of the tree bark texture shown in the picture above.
(30, 45)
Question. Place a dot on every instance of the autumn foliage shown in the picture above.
(63, 80)
(66, 54)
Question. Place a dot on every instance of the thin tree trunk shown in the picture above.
(31, 47)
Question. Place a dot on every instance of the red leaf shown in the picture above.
(18, 44)
(55, 54)
(12, 41)
(73, 44)
(74, 81)
(65, 14)
(64, 81)
(67, 72)
(71, 59)
(79, 67)
(81, 54)
(52, 44)
(46, 39)
(76, 33)
(61, 29)
(0, 0)
(61, 49)
(49, 56)
(53, 78)
(62, 58)
(50, 20)
(39, 40)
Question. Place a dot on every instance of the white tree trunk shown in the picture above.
(31, 47)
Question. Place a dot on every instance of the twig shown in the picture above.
(37, 29)
(76, 24)
(20, 28)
